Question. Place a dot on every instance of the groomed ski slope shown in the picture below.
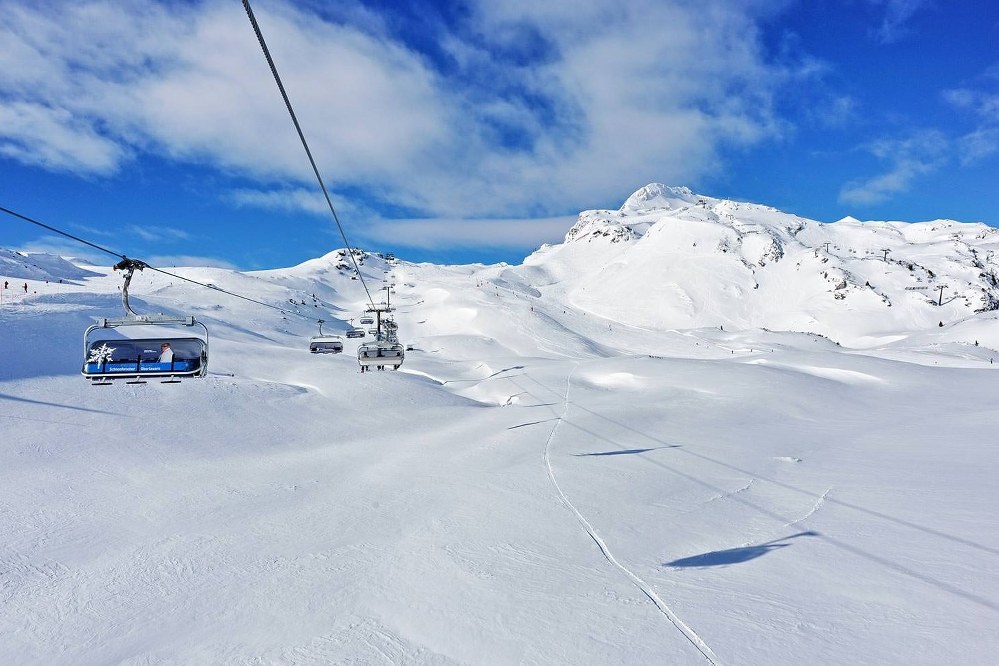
(539, 484)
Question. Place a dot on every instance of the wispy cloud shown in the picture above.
(286, 199)
(983, 104)
(897, 13)
(94, 232)
(837, 111)
(978, 145)
(63, 247)
(458, 233)
(157, 234)
(173, 260)
(908, 159)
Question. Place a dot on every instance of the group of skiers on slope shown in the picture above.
(6, 285)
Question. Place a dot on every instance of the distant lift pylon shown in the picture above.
(158, 353)
(386, 349)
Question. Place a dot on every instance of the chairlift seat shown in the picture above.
(326, 344)
(380, 353)
(107, 357)
(130, 358)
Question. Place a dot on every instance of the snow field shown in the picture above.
(548, 479)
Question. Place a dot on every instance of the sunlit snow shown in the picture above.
(697, 431)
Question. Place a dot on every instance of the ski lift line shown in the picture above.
(62, 233)
(230, 293)
(124, 258)
(305, 144)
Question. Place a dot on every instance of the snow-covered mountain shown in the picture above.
(21, 265)
(697, 431)
(671, 259)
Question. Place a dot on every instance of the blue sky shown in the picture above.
(474, 131)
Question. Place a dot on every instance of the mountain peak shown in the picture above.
(658, 196)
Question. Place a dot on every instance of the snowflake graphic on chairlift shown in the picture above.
(101, 354)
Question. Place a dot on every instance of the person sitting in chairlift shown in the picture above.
(166, 353)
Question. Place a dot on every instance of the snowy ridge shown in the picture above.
(672, 259)
(20, 265)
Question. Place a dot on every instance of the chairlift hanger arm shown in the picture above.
(129, 266)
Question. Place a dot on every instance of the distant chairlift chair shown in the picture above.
(380, 354)
(325, 344)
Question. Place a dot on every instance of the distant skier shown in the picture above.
(25, 287)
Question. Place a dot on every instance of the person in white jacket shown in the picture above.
(166, 353)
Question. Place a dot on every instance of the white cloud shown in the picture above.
(287, 199)
(910, 158)
(191, 83)
(55, 139)
(638, 92)
(546, 107)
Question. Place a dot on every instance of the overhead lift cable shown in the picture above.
(305, 144)
(62, 233)
(152, 268)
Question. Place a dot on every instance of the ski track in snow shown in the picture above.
(818, 503)
(721, 496)
(688, 633)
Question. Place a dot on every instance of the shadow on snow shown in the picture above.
(719, 558)
(624, 452)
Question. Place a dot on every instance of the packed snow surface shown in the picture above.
(697, 431)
